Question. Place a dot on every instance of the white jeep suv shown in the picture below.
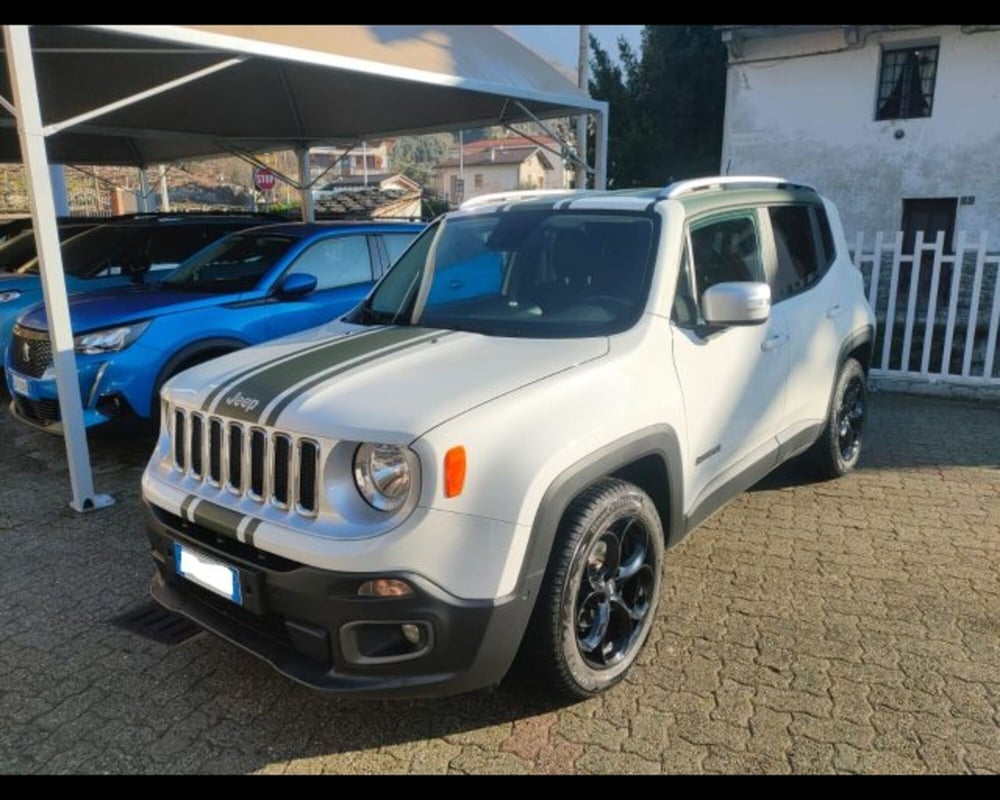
(489, 457)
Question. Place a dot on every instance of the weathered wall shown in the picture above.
(795, 110)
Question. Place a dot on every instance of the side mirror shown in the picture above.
(296, 285)
(736, 303)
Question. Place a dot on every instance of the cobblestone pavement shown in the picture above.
(849, 626)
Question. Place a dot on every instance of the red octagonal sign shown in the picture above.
(264, 179)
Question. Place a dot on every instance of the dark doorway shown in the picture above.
(929, 216)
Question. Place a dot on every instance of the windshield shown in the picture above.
(234, 264)
(21, 248)
(90, 252)
(530, 273)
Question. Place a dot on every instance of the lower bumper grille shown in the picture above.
(42, 412)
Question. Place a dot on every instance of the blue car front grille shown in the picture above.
(31, 352)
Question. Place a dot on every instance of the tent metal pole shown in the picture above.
(581, 120)
(21, 69)
(305, 186)
(57, 174)
(601, 150)
(164, 191)
(144, 191)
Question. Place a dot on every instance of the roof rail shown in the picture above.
(512, 196)
(735, 181)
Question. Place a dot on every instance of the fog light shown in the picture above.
(411, 633)
(385, 587)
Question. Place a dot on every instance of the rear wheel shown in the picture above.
(838, 448)
(600, 593)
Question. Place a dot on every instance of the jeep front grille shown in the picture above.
(31, 351)
(267, 466)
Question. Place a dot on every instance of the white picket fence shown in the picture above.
(938, 312)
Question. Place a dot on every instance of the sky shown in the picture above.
(560, 43)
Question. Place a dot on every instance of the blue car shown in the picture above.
(246, 288)
(121, 252)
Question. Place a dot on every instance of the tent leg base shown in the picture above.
(92, 503)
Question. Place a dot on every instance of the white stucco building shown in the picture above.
(898, 124)
(500, 165)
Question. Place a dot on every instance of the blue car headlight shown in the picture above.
(109, 340)
(6, 297)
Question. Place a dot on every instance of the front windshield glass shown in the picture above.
(234, 264)
(92, 252)
(531, 273)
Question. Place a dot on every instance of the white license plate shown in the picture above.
(21, 385)
(208, 572)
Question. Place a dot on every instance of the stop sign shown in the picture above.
(264, 179)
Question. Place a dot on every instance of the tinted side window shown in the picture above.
(726, 249)
(825, 236)
(336, 261)
(396, 243)
(795, 250)
(108, 257)
(169, 246)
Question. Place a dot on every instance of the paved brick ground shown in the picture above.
(851, 626)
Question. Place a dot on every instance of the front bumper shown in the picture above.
(311, 625)
(35, 401)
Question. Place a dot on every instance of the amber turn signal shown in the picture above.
(454, 471)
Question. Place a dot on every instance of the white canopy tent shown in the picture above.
(144, 95)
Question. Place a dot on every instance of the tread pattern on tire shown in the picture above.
(823, 458)
(543, 636)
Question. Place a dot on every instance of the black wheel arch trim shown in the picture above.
(188, 352)
(660, 441)
(657, 440)
(852, 342)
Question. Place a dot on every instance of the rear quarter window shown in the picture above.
(803, 245)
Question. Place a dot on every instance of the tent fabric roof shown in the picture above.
(298, 86)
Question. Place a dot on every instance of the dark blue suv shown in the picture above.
(251, 286)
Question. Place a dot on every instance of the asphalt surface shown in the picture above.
(846, 626)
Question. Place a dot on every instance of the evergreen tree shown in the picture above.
(666, 104)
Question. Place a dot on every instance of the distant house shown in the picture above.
(498, 165)
(372, 157)
(898, 124)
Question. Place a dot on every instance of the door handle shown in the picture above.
(773, 342)
(834, 311)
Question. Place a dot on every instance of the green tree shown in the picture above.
(416, 156)
(666, 104)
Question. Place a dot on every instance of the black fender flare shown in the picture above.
(188, 352)
(660, 441)
(854, 340)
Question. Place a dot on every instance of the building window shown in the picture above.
(906, 82)
(478, 180)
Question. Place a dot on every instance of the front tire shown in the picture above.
(838, 448)
(600, 592)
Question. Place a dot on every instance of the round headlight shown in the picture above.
(382, 475)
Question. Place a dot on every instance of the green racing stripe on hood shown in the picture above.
(275, 410)
(246, 400)
(231, 381)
